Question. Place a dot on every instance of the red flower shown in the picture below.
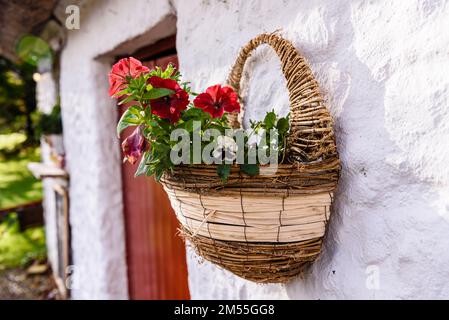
(217, 99)
(169, 107)
(123, 69)
(133, 146)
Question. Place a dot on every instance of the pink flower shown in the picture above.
(169, 107)
(133, 146)
(217, 99)
(121, 72)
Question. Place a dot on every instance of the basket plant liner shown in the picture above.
(266, 228)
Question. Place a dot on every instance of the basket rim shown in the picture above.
(285, 179)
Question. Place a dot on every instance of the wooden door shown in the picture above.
(155, 253)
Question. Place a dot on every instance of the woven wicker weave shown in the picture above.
(269, 227)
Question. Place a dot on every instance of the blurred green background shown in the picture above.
(18, 147)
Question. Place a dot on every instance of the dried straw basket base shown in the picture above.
(251, 218)
(269, 227)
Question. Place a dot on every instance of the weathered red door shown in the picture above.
(155, 253)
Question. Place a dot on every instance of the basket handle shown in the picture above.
(302, 87)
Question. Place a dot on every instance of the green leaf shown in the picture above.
(217, 127)
(168, 71)
(223, 171)
(121, 93)
(270, 120)
(188, 125)
(158, 174)
(131, 117)
(126, 100)
(143, 165)
(250, 169)
(33, 49)
(157, 93)
(194, 113)
(282, 125)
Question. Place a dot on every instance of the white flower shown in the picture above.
(225, 149)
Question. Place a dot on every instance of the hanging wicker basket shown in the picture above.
(269, 227)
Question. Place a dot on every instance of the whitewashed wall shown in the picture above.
(383, 68)
(46, 97)
(107, 28)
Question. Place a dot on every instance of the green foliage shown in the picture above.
(157, 160)
(131, 117)
(32, 49)
(223, 171)
(280, 127)
(157, 131)
(143, 165)
(138, 90)
(283, 126)
(169, 73)
(17, 184)
(50, 123)
(11, 142)
(156, 93)
(250, 169)
(18, 249)
(270, 120)
(17, 98)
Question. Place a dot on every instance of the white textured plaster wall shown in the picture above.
(382, 66)
(93, 157)
(46, 98)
